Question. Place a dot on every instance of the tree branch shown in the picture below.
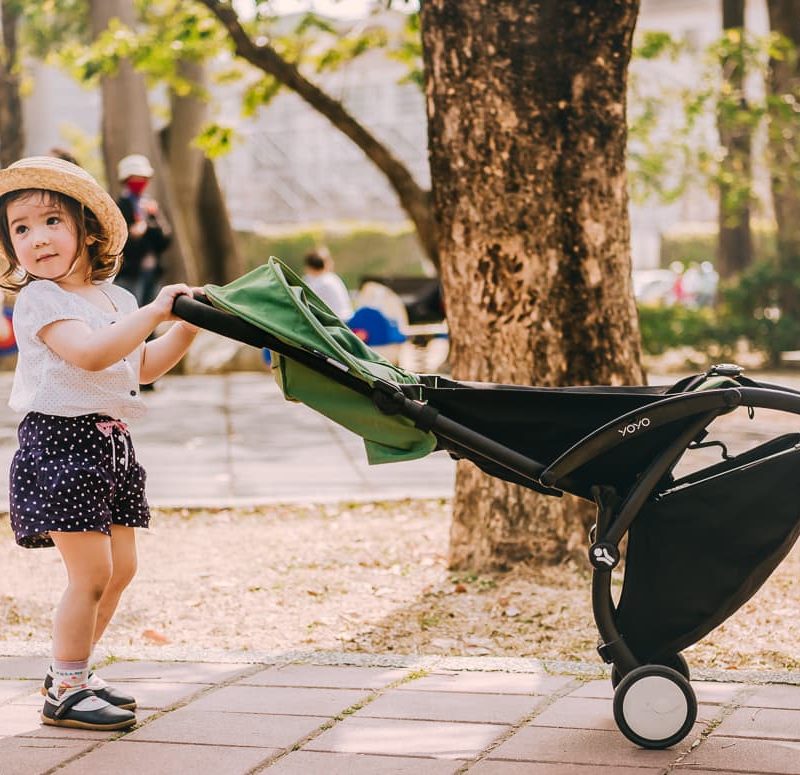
(414, 199)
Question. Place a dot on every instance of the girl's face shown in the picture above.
(45, 238)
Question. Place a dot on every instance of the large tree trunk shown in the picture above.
(784, 145)
(527, 133)
(127, 128)
(735, 245)
(12, 130)
(197, 192)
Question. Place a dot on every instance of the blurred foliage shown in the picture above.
(364, 250)
(666, 327)
(754, 307)
(214, 140)
(670, 150)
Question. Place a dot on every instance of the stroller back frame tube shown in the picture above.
(613, 433)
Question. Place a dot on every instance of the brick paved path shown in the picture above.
(301, 719)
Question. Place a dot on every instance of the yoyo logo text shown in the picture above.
(632, 427)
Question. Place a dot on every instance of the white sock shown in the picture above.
(69, 675)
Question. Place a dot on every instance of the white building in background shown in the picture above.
(291, 167)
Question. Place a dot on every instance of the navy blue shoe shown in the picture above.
(83, 709)
(105, 692)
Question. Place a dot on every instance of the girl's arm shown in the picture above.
(95, 350)
(162, 354)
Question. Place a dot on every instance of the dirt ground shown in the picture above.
(366, 578)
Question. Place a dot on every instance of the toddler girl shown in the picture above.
(75, 481)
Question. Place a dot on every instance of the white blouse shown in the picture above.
(44, 382)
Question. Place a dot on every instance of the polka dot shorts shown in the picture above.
(74, 474)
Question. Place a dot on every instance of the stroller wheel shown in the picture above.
(675, 661)
(654, 706)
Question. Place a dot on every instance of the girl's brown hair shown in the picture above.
(102, 264)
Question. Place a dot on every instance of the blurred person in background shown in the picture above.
(320, 277)
(148, 233)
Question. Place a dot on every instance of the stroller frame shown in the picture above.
(654, 704)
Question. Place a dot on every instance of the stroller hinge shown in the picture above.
(607, 650)
(607, 501)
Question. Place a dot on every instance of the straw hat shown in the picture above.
(49, 173)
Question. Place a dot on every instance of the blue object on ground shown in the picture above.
(371, 325)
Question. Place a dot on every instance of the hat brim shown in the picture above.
(52, 174)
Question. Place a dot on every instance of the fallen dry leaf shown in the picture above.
(159, 639)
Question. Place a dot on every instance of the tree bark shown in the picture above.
(12, 129)
(127, 128)
(197, 193)
(735, 244)
(784, 145)
(526, 106)
(414, 199)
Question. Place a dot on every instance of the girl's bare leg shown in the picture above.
(123, 560)
(88, 560)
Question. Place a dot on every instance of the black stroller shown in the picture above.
(699, 545)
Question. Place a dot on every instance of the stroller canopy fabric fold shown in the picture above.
(276, 300)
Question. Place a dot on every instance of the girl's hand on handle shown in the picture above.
(162, 304)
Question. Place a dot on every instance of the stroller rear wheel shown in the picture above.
(675, 661)
(654, 706)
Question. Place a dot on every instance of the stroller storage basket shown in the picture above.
(704, 548)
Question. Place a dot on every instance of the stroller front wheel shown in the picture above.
(675, 661)
(654, 706)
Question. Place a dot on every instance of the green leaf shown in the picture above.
(215, 140)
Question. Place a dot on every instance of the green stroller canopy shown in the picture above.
(276, 300)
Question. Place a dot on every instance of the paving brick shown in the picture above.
(492, 683)
(20, 719)
(324, 676)
(762, 722)
(589, 713)
(579, 746)
(600, 690)
(739, 755)
(308, 762)
(774, 697)
(24, 667)
(401, 737)
(712, 693)
(62, 733)
(259, 730)
(173, 672)
(159, 696)
(12, 690)
(279, 700)
(452, 706)
(128, 758)
(23, 756)
(539, 768)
